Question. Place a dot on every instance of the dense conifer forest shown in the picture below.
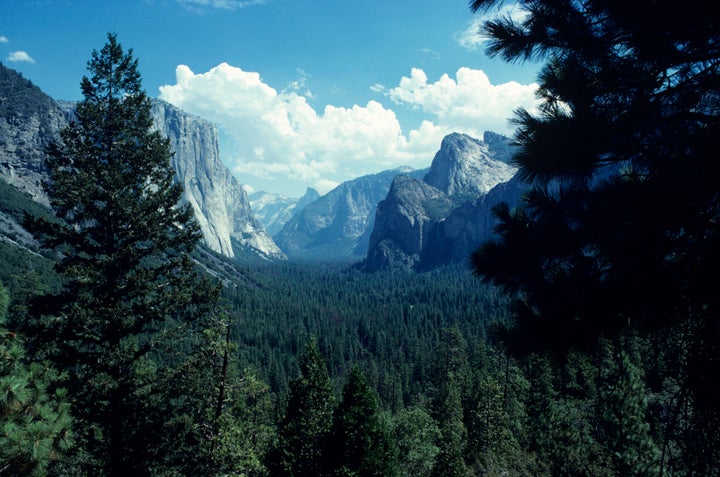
(581, 341)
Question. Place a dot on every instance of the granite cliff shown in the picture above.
(30, 121)
(443, 218)
(219, 200)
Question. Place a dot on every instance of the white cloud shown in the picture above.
(4, 39)
(20, 57)
(472, 36)
(276, 137)
(434, 54)
(222, 4)
(470, 102)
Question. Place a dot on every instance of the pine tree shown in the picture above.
(359, 443)
(130, 290)
(308, 416)
(618, 232)
(624, 411)
(452, 380)
(417, 436)
(450, 461)
(35, 423)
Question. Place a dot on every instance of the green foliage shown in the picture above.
(21, 97)
(450, 461)
(627, 127)
(359, 442)
(20, 259)
(303, 429)
(18, 262)
(624, 410)
(388, 323)
(123, 325)
(35, 423)
(17, 204)
(417, 436)
(238, 426)
(451, 379)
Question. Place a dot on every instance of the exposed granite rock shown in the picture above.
(443, 219)
(337, 225)
(29, 122)
(455, 238)
(464, 166)
(403, 221)
(219, 201)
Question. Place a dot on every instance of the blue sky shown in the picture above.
(304, 92)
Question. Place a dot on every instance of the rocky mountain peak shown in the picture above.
(466, 166)
(310, 196)
(425, 224)
(338, 224)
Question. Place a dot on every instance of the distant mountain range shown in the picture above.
(274, 210)
(337, 226)
(412, 219)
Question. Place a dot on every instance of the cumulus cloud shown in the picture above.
(276, 135)
(469, 102)
(4, 39)
(472, 36)
(20, 57)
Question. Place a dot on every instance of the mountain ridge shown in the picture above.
(338, 224)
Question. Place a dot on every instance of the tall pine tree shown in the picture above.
(308, 416)
(131, 293)
(359, 443)
(619, 231)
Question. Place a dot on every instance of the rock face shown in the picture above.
(444, 218)
(221, 205)
(30, 121)
(403, 222)
(274, 210)
(338, 224)
(464, 167)
(454, 238)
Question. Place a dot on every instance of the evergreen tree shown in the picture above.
(308, 416)
(130, 290)
(453, 434)
(623, 407)
(619, 230)
(417, 436)
(239, 414)
(35, 423)
(359, 443)
(452, 379)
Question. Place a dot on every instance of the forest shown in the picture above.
(583, 340)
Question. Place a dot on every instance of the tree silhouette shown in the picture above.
(619, 229)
